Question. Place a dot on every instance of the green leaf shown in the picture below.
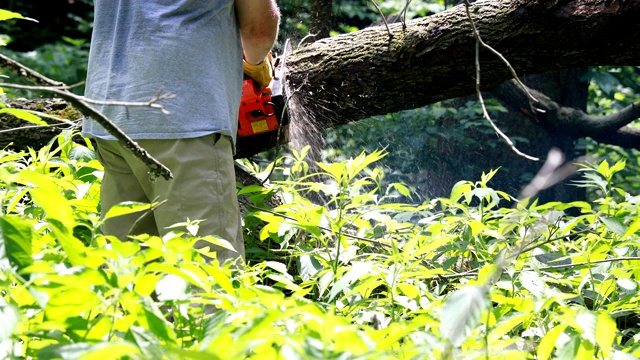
(548, 342)
(309, 267)
(64, 352)
(24, 115)
(461, 313)
(126, 208)
(553, 259)
(357, 270)
(16, 236)
(146, 341)
(605, 334)
(614, 225)
(459, 189)
(7, 15)
(80, 152)
(635, 226)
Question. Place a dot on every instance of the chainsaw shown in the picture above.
(263, 111)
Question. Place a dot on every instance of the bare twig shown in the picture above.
(37, 126)
(476, 34)
(485, 113)
(403, 14)
(27, 73)
(383, 19)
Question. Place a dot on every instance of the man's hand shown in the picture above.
(262, 73)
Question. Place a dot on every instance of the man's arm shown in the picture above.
(258, 21)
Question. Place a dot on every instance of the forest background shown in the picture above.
(445, 160)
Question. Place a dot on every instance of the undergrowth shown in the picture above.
(362, 276)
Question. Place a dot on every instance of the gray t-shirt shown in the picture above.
(189, 48)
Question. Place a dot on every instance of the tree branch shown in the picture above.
(554, 116)
(485, 113)
(627, 137)
(81, 104)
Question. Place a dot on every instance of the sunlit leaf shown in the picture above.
(86, 351)
(409, 290)
(24, 115)
(507, 324)
(69, 303)
(548, 342)
(605, 334)
(7, 15)
(172, 288)
(357, 270)
(459, 189)
(126, 208)
(531, 281)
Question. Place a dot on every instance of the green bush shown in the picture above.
(361, 277)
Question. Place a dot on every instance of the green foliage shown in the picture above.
(361, 276)
(611, 89)
(417, 141)
(64, 61)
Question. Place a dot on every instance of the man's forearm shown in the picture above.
(258, 21)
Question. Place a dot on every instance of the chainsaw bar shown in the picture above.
(278, 90)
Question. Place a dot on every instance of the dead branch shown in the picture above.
(81, 104)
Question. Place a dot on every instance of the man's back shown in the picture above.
(189, 48)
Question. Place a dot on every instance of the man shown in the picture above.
(192, 49)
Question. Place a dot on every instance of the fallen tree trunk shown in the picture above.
(372, 72)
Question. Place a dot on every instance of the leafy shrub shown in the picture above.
(362, 276)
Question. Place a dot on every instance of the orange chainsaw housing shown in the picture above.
(257, 111)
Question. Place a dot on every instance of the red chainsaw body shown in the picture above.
(257, 111)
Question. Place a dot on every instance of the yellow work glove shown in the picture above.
(262, 73)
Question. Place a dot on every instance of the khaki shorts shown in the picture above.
(203, 188)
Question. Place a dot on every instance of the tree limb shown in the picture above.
(575, 122)
(81, 104)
